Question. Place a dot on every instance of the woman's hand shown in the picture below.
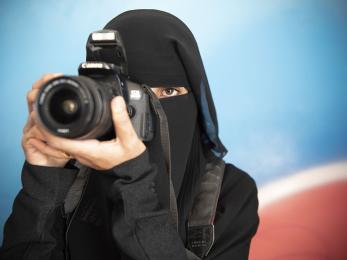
(100, 155)
(36, 150)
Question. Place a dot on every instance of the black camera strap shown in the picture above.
(201, 219)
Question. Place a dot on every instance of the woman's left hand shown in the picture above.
(102, 155)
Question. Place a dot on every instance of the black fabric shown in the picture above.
(36, 226)
(194, 170)
(90, 231)
(162, 51)
(120, 216)
(181, 113)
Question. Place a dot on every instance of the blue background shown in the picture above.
(277, 70)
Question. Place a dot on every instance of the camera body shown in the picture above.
(79, 106)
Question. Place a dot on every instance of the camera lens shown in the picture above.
(75, 107)
(65, 106)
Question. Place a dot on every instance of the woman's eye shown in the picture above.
(169, 92)
(166, 92)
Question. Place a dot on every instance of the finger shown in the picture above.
(32, 129)
(46, 77)
(29, 124)
(46, 149)
(84, 148)
(31, 96)
(84, 161)
(124, 129)
(44, 133)
(34, 132)
(37, 132)
(39, 128)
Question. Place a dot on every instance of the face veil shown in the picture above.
(162, 52)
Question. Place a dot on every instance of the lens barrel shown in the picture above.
(75, 107)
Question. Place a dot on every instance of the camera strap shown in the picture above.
(201, 219)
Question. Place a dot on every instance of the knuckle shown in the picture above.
(29, 94)
(35, 84)
(46, 76)
(25, 142)
(27, 133)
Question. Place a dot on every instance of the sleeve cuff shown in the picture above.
(48, 184)
(132, 169)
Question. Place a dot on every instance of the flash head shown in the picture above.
(107, 46)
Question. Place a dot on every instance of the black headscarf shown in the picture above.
(162, 52)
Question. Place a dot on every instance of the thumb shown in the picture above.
(124, 129)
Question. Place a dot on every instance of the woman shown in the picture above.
(120, 207)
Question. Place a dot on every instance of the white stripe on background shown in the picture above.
(302, 181)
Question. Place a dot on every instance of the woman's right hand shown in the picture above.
(37, 151)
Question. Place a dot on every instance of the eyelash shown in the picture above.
(168, 95)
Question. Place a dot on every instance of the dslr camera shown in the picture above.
(79, 106)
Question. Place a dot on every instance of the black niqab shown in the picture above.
(162, 52)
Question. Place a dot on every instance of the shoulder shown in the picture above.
(238, 180)
(239, 194)
(236, 218)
